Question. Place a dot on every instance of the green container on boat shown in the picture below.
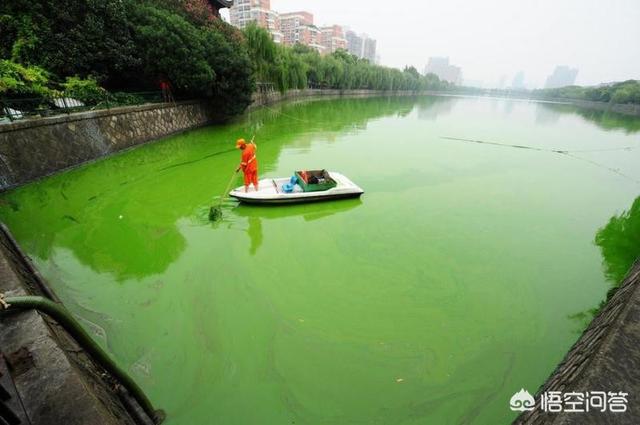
(315, 180)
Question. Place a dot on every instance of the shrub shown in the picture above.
(85, 90)
(125, 99)
(23, 81)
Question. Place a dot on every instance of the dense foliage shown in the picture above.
(300, 66)
(624, 92)
(129, 45)
(87, 91)
(79, 48)
(619, 242)
(24, 81)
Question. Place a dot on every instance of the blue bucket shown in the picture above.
(287, 187)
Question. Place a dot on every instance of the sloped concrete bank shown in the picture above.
(606, 358)
(51, 380)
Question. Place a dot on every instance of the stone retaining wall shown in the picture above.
(261, 99)
(33, 148)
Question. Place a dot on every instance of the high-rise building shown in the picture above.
(333, 38)
(562, 76)
(259, 11)
(501, 82)
(355, 43)
(518, 81)
(445, 71)
(361, 46)
(298, 27)
(369, 49)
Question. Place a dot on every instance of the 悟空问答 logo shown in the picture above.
(522, 401)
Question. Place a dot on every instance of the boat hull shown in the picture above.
(271, 192)
(294, 200)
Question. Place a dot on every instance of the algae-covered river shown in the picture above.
(463, 274)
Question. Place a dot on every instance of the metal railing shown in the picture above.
(265, 87)
(21, 108)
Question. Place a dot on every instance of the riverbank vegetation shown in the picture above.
(619, 242)
(623, 92)
(300, 66)
(122, 46)
(101, 51)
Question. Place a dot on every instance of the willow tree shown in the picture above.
(262, 51)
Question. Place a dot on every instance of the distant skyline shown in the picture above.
(491, 39)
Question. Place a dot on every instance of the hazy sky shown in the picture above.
(492, 38)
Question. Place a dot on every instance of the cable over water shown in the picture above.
(565, 152)
(283, 114)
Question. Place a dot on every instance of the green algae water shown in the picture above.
(463, 274)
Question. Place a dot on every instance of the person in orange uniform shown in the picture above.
(249, 163)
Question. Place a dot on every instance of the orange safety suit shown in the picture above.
(249, 164)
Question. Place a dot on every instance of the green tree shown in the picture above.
(23, 81)
(69, 37)
(262, 51)
(170, 47)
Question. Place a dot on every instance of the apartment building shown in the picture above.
(298, 27)
(562, 76)
(333, 38)
(354, 43)
(259, 11)
(444, 70)
(361, 46)
(369, 49)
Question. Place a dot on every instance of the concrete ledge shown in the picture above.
(268, 98)
(55, 380)
(85, 115)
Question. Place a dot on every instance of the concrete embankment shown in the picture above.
(268, 98)
(49, 378)
(618, 108)
(606, 358)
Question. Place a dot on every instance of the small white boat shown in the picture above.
(274, 191)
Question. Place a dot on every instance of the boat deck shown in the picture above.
(270, 191)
